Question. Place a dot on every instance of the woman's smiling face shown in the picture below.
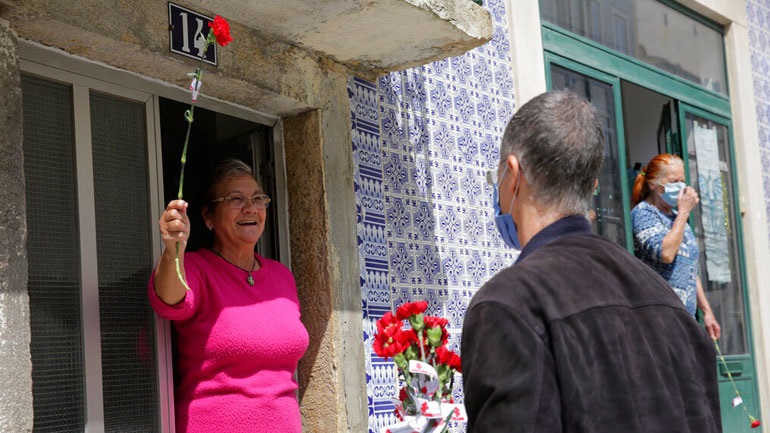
(231, 226)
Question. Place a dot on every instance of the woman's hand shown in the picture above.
(709, 320)
(175, 225)
(688, 199)
(712, 327)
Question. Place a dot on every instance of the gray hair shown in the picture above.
(559, 143)
(226, 169)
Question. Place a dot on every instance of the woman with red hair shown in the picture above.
(662, 203)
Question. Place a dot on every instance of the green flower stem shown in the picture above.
(446, 422)
(178, 269)
(188, 115)
(422, 346)
(435, 364)
(730, 376)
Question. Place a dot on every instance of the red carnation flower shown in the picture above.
(433, 321)
(755, 423)
(411, 308)
(450, 358)
(407, 337)
(388, 347)
(401, 341)
(436, 322)
(388, 323)
(390, 339)
(221, 29)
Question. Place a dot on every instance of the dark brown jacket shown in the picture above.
(580, 336)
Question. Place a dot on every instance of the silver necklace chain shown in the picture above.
(249, 278)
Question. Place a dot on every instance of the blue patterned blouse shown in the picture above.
(650, 227)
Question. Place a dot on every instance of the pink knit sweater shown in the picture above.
(236, 347)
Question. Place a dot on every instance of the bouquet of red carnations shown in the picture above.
(425, 367)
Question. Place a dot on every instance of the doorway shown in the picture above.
(215, 136)
(645, 114)
(640, 121)
(657, 124)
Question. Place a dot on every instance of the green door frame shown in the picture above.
(571, 46)
(741, 367)
(614, 81)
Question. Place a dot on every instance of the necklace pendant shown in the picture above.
(250, 279)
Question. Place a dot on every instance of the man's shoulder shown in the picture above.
(551, 260)
(572, 274)
(579, 250)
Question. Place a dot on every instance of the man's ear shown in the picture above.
(512, 162)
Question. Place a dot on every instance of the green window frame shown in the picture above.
(614, 82)
(557, 41)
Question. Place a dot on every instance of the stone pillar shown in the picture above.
(16, 365)
(324, 258)
(311, 265)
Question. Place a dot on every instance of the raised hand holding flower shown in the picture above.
(219, 32)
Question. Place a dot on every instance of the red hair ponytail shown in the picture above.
(655, 169)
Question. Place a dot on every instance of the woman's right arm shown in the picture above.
(174, 227)
(688, 199)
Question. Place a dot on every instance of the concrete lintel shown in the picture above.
(370, 37)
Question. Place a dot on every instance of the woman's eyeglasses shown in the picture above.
(239, 201)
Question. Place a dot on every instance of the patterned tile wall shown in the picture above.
(758, 12)
(423, 140)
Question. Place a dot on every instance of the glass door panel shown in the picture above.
(650, 31)
(608, 216)
(709, 167)
(124, 251)
(713, 221)
(58, 375)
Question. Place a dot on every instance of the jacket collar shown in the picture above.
(571, 225)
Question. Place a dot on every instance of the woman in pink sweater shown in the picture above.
(237, 329)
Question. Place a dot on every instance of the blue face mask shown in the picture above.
(671, 193)
(504, 222)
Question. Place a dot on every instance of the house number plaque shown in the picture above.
(187, 32)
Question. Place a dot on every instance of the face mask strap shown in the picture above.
(515, 192)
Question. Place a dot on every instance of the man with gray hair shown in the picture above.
(578, 335)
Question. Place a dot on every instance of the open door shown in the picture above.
(649, 107)
(709, 165)
(702, 139)
(640, 123)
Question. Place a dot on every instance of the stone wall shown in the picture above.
(305, 89)
(16, 370)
